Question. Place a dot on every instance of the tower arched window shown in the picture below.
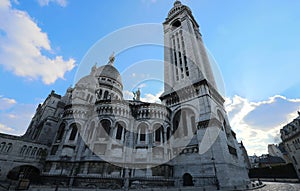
(60, 132)
(143, 134)
(33, 151)
(175, 127)
(8, 147)
(184, 123)
(105, 96)
(176, 24)
(120, 130)
(2, 146)
(104, 129)
(159, 136)
(39, 152)
(23, 149)
(28, 150)
(168, 133)
(142, 131)
(74, 130)
(99, 94)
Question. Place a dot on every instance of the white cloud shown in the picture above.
(15, 117)
(258, 124)
(62, 3)
(152, 98)
(127, 95)
(22, 43)
(142, 85)
(6, 103)
(5, 129)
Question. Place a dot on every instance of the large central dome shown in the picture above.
(103, 83)
(109, 71)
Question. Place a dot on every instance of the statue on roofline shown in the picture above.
(137, 95)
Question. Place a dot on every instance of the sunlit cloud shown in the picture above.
(258, 124)
(6, 103)
(142, 85)
(22, 47)
(152, 98)
(127, 95)
(5, 129)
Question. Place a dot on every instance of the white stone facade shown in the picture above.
(95, 138)
(290, 135)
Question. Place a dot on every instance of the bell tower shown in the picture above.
(186, 60)
(203, 141)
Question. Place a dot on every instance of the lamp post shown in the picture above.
(63, 159)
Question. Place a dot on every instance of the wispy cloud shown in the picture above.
(62, 3)
(127, 95)
(6, 103)
(142, 85)
(152, 98)
(22, 43)
(15, 117)
(5, 129)
(258, 123)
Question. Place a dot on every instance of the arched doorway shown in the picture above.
(187, 180)
(25, 172)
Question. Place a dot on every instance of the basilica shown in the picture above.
(92, 137)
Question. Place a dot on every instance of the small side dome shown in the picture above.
(88, 81)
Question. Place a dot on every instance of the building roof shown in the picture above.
(271, 160)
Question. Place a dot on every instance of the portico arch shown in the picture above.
(25, 171)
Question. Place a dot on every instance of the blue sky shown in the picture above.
(255, 43)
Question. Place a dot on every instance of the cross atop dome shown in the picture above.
(177, 3)
(111, 59)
